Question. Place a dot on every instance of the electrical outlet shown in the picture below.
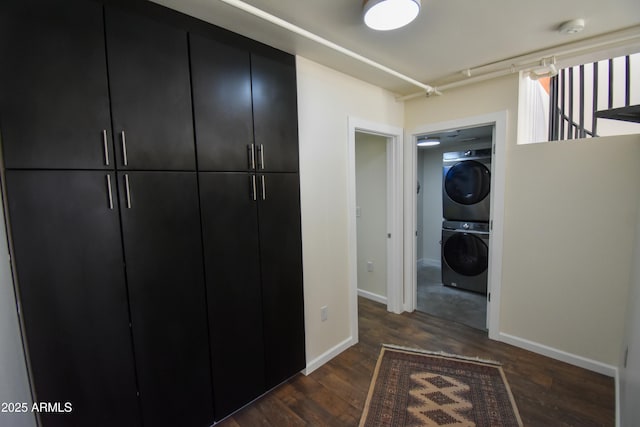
(369, 266)
(324, 313)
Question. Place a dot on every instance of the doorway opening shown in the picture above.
(453, 170)
(498, 122)
(384, 157)
(371, 214)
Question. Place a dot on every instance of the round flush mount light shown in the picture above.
(571, 27)
(386, 15)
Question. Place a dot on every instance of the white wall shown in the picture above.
(14, 386)
(570, 214)
(326, 99)
(371, 202)
(630, 376)
(429, 173)
(567, 259)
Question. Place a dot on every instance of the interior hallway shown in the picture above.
(547, 392)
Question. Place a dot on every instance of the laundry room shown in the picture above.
(453, 213)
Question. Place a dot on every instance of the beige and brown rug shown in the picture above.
(416, 388)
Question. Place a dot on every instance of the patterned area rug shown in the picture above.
(416, 388)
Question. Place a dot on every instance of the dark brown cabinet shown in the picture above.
(151, 171)
(54, 98)
(222, 106)
(281, 271)
(245, 107)
(275, 112)
(232, 266)
(68, 254)
(150, 92)
(163, 255)
(253, 266)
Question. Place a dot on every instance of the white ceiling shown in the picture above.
(448, 36)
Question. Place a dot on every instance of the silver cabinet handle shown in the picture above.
(106, 147)
(254, 191)
(109, 190)
(261, 151)
(124, 148)
(264, 188)
(126, 186)
(252, 156)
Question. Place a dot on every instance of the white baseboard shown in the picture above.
(328, 355)
(373, 297)
(554, 353)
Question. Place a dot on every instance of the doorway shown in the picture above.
(394, 217)
(494, 274)
(452, 235)
(371, 215)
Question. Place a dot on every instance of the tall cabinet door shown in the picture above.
(163, 253)
(54, 99)
(68, 253)
(150, 93)
(281, 267)
(222, 106)
(275, 112)
(230, 232)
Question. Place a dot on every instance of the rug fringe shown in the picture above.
(443, 354)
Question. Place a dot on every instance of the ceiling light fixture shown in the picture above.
(428, 142)
(386, 15)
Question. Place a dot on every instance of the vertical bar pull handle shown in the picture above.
(254, 191)
(264, 188)
(252, 156)
(126, 186)
(261, 150)
(105, 145)
(109, 191)
(124, 148)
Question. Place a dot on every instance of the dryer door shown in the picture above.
(466, 254)
(467, 182)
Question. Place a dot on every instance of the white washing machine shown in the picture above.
(465, 255)
(466, 185)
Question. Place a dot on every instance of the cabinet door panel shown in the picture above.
(275, 112)
(163, 253)
(281, 264)
(222, 105)
(68, 254)
(54, 100)
(230, 230)
(150, 92)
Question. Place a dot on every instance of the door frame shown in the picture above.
(395, 138)
(498, 179)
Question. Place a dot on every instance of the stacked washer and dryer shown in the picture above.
(466, 196)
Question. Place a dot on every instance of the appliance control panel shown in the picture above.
(478, 227)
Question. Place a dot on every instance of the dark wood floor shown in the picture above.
(547, 392)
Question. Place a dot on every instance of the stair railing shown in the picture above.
(566, 120)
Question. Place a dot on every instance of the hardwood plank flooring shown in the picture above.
(547, 392)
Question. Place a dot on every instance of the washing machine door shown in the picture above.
(466, 254)
(467, 182)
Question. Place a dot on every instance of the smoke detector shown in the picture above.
(571, 27)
